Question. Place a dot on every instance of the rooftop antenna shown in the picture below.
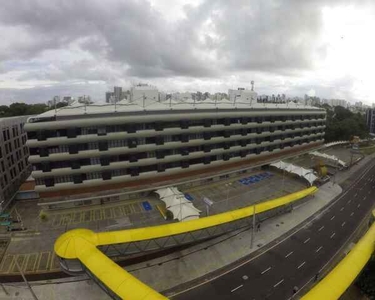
(252, 85)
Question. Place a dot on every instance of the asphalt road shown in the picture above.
(296, 260)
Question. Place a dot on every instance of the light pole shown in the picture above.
(252, 231)
(228, 185)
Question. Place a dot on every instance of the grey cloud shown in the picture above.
(130, 39)
(259, 35)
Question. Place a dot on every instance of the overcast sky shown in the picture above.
(68, 47)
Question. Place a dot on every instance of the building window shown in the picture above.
(104, 161)
(73, 149)
(103, 146)
(46, 166)
(49, 182)
(106, 175)
(77, 178)
(71, 133)
(43, 152)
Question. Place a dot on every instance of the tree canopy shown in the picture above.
(342, 124)
(22, 109)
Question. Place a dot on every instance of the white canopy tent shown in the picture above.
(175, 201)
(329, 157)
(308, 174)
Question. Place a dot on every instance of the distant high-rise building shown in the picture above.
(117, 93)
(109, 96)
(14, 167)
(370, 120)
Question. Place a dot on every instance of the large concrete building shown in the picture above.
(144, 144)
(370, 120)
(13, 157)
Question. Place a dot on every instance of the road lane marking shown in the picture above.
(278, 283)
(342, 208)
(266, 270)
(358, 205)
(363, 174)
(364, 198)
(321, 228)
(349, 201)
(301, 265)
(320, 248)
(352, 214)
(235, 289)
(289, 254)
(369, 192)
(306, 241)
(343, 224)
(333, 234)
(355, 195)
(332, 218)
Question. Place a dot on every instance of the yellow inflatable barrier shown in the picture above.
(342, 276)
(82, 244)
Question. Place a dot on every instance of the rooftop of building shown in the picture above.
(125, 106)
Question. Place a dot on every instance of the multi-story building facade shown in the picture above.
(370, 120)
(13, 157)
(143, 145)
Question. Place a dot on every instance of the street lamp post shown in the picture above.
(252, 231)
(228, 185)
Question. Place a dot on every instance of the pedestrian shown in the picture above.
(258, 226)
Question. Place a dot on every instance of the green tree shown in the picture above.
(22, 109)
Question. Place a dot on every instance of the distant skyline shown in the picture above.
(62, 47)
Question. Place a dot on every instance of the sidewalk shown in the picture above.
(180, 267)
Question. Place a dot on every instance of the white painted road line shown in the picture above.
(333, 234)
(349, 201)
(266, 270)
(358, 205)
(320, 248)
(289, 254)
(332, 218)
(369, 192)
(343, 224)
(355, 195)
(364, 198)
(278, 283)
(301, 265)
(306, 241)
(235, 289)
(352, 214)
(342, 208)
(321, 228)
